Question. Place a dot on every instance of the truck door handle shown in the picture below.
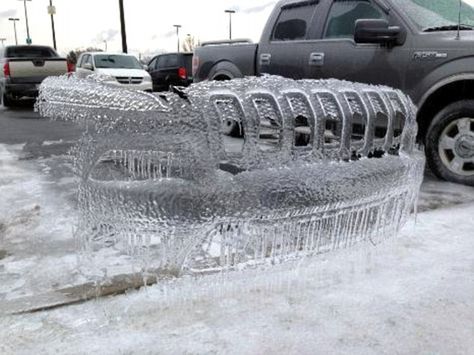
(316, 59)
(265, 58)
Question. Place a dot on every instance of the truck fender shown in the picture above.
(443, 82)
(224, 70)
(446, 73)
(441, 91)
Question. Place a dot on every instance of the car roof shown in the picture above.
(282, 3)
(112, 53)
(186, 54)
(27, 46)
(178, 53)
(108, 53)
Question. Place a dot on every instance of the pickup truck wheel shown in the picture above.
(450, 143)
(231, 128)
(6, 101)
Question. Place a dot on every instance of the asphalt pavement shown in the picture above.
(21, 125)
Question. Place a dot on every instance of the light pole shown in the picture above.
(14, 20)
(3, 40)
(177, 33)
(28, 38)
(230, 12)
(122, 27)
(52, 12)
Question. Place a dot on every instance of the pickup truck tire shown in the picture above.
(231, 128)
(6, 101)
(450, 143)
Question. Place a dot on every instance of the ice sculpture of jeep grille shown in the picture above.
(312, 166)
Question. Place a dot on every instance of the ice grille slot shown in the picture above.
(400, 113)
(381, 127)
(332, 119)
(270, 123)
(359, 119)
(303, 119)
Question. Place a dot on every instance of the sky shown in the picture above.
(149, 23)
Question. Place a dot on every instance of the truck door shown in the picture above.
(284, 47)
(315, 39)
(342, 58)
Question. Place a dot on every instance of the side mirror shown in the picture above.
(145, 67)
(87, 66)
(377, 31)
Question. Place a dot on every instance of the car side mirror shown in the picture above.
(88, 66)
(145, 67)
(378, 31)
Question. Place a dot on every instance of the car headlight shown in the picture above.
(147, 79)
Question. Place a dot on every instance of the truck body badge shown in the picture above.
(429, 55)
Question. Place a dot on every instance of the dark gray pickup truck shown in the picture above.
(423, 47)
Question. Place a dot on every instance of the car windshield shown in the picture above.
(116, 61)
(440, 15)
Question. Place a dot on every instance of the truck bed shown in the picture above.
(236, 59)
(24, 68)
(35, 70)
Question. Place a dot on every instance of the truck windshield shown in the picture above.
(116, 61)
(439, 15)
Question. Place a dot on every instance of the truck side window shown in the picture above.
(344, 14)
(167, 61)
(294, 21)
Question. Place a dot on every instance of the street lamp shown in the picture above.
(14, 20)
(230, 12)
(3, 40)
(177, 33)
(28, 38)
(52, 12)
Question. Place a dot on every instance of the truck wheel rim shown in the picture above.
(228, 125)
(456, 146)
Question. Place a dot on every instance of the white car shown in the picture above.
(122, 69)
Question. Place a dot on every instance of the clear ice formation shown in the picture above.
(320, 165)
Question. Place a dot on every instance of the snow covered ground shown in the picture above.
(414, 294)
